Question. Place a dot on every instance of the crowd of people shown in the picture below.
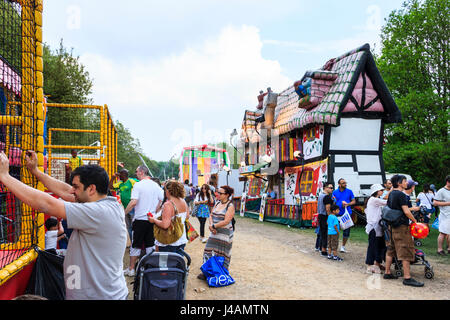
(100, 226)
(385, 242)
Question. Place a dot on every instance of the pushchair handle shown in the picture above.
(187, 257)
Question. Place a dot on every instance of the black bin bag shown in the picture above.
(47, 278)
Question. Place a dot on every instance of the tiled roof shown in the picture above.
(325, 98)
(326, 92)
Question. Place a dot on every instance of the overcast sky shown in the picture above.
(181, 73)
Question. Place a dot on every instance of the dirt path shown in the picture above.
(273, 262)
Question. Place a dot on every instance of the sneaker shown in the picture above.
(336, 258)
(412, 282)
(204, 240)
(330, 256)
(343, 249)
(389, 276)
(324, 254)
(131, 273)
(316, 249)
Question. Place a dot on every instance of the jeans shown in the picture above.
(323, 226)
(202, 226)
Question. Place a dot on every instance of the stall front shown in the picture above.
(326, 126)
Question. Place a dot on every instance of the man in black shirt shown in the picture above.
(324, 203)
(401, 244)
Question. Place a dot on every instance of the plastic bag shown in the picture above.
(345, 221)
(216, 274)
(435, 224)
(47, 278)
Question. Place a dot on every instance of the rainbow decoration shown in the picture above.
(198, 163)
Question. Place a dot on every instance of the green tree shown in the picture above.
(414, 63)
(129, 149)
(67, 81)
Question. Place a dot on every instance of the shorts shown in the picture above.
(333, 241)
(402, 244)
(142, 234)
(346, 233)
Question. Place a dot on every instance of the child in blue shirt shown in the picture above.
(333, 233)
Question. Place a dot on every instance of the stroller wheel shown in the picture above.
(399, 273)
(429, 274)
(418, 243)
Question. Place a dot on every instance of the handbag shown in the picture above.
(315, 220)
(391, 216)
(173, 232)
(191, 234)
(195, 210)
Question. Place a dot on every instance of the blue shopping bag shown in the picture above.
(216, 274)
(435, 224)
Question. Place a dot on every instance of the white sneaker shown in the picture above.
(204, 240)
(129, 273)
(343, 249)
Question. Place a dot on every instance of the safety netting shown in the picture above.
(18, 122)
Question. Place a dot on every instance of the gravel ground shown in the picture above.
(274, 262)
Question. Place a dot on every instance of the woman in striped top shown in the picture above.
(220, 239)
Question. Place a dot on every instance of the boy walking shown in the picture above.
(333, 233)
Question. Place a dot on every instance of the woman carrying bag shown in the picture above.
(220, 239)
(203, 200)
(169, 228)
(376, 250)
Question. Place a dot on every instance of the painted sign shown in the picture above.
(312, 180)
(313, 142)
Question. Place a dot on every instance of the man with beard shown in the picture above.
(94, 259)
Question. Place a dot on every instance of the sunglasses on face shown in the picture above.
(221, 192)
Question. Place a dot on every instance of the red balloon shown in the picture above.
(419, 230)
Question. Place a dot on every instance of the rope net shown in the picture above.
(18, 228)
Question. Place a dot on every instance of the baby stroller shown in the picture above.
(419, 255)
(161, 276)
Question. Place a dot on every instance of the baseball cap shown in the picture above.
(411, 183)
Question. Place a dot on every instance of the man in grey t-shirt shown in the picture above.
(94, 259)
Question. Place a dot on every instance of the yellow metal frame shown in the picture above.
(108, 138)
(32, 123)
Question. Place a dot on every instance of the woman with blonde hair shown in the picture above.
(220, 239)
(175, 206)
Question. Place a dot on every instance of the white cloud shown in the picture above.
(225, 71)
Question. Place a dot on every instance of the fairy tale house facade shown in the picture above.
(334, 117)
